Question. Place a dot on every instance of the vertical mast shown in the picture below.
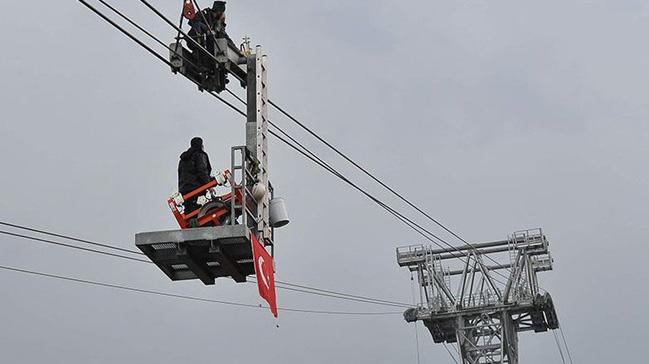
(257, 136)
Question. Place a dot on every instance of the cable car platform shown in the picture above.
(204, 253)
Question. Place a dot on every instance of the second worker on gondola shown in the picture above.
(206, 26)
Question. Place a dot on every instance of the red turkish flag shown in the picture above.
(188, 10)
(265, 273)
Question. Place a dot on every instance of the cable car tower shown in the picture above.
(225, 236)
(481, 296)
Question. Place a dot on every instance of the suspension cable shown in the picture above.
(185, 297)
(556, 340)
(72, 246)
(565, 343)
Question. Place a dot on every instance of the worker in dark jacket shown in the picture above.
(206, 25)
(194, 170)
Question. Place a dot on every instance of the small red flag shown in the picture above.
(188, 10)
(265, 273)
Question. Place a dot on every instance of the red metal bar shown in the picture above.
(200, 189)
(215, 216)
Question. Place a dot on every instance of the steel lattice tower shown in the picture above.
(481, 296)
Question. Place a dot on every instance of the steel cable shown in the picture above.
(185, 297)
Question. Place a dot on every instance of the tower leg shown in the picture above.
(487, 338)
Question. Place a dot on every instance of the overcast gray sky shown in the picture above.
(495, 116)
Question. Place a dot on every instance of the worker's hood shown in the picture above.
(186, 155)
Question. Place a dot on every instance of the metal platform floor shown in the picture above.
(203, 253)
